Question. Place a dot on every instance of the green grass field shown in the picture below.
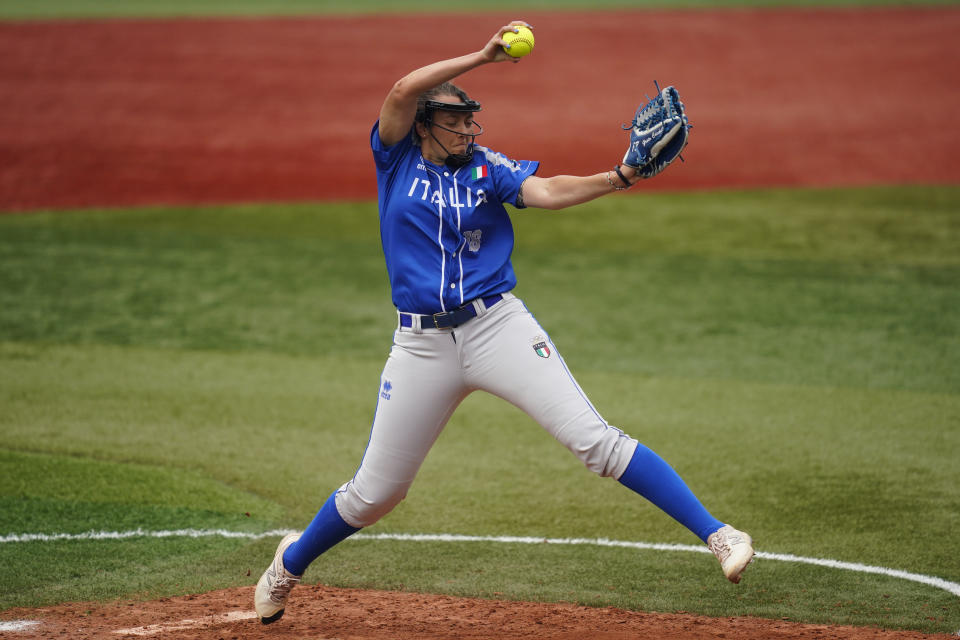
(49, 9)
(794, 354)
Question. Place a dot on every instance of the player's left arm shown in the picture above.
(658, 135)
(560, 192)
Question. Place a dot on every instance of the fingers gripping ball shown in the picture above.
(521, 42)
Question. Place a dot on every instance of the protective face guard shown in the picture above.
(454, 160)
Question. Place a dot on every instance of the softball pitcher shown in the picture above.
(447, 240)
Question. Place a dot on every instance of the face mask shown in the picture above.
(453, 160)
(456, 160)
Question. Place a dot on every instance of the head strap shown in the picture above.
(465, 106)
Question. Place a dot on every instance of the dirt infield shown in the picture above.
(145, 112)
(219, 111)
(323, 613)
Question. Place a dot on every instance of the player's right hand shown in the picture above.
(493, 50)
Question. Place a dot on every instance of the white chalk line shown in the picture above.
(951, 587)
(939, 583)
(185, 625)
(141, 533)
(17, 625)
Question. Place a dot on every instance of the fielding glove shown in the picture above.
(658, 133)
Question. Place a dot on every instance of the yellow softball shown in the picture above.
(521, 42)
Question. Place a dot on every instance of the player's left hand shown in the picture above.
(493, 50)
(658, 134)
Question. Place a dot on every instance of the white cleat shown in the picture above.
(734, 550)
(274, 586)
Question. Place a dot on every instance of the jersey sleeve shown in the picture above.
(386, 157)
(508, 175)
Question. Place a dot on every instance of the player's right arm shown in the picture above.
(400, 106)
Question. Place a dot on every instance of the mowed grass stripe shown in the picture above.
(823, 287)
(59, 9)
(290, 429)
(950, 587)
(792, 353)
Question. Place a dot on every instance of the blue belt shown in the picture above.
(448, 319)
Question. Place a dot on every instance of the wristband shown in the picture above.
(612, 183)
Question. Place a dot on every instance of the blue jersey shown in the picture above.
(446, 235)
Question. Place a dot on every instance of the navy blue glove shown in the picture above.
(658, 134)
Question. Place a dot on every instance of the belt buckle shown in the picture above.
(436, 322)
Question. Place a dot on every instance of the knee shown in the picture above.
(360, 508)
(610, 455)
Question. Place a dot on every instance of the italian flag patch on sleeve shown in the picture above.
(479, 172)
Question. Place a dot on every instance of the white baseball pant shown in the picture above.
(430, 371)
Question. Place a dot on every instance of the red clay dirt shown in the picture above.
(231, 110)
(219, 111)
(323, 613)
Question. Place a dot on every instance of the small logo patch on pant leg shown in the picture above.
(542, 349)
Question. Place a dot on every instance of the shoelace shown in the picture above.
(719, 547)
(722, 544)
(281, 587)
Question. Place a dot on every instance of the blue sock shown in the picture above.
(326, 530)
(649, 475)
